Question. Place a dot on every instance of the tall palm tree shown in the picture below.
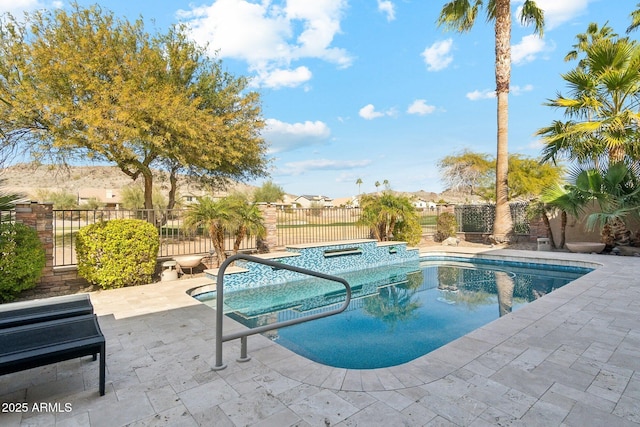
(216, 216)
(359, 183)
(460, 15)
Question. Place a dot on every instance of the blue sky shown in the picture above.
(373, 89)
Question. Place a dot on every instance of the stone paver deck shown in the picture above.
(571, 358)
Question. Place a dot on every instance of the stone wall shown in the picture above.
(54, 281)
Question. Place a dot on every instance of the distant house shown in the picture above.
(308, 201)
(347, 202)
(424, 205)
(419, 204)
(110, 198)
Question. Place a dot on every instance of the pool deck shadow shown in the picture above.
(570, 358)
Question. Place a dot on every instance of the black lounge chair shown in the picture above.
(43, 343)
(40, 310)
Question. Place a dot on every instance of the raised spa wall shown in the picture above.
(328, 258)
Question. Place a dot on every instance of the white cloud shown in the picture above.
(527, 49)
(558, 12)
(298, 168)
(369, 112)
(477, 95)
(290, 136)
(388, 8)
(282, 77)
(270, 35)
(438, 55)
(420, 107)
(18, 7)
(518, 90)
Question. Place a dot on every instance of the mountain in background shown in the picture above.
(28, 179)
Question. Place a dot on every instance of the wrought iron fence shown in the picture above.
(175, 239)
(313, 225)
(8, 216)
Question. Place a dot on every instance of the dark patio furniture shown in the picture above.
(38, 344)
(40, 310)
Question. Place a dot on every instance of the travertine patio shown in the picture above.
(570, 358)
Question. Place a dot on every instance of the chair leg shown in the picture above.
(103, 357)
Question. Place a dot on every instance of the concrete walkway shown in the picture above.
(571, 358)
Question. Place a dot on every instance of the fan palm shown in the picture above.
(602, 106)
(390, 216)
(216, 217)
(247, 220)
(635, 19)
(460, 15)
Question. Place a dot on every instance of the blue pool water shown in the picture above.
(397, 313)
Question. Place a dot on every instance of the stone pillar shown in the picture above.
(271, 239)
(40, 218)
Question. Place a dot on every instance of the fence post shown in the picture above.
(40, 218)
(270, 223)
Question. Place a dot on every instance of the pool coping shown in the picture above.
(569, 358)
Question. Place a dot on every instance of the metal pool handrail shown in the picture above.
(244, 334)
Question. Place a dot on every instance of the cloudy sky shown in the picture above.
(373, 89)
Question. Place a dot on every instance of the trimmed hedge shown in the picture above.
(117, 253)
(22, 259)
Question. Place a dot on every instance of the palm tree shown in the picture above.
(389, 216)
(8, 202)
(588, 38)
(617, 192)
(561, 198)
(460, 15)
(602, 106)
(216, 216)
(635, 19)
(247, 220)
(359, 183)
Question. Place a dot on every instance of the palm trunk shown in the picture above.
(563, 228)
(502, 224)
(217, 239)
(240, 235)
(547, 225)
(505, 286)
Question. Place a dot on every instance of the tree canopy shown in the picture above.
(473, 174)
(268, 193)
(87, 85)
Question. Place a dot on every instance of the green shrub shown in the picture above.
(21, 260)
(117, 253)
(446, 227)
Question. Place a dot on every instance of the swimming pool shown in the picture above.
(397, 313)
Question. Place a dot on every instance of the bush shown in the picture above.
(446, 227)
(117, 253)
(21, 260)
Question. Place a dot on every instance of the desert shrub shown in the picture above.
(117, 253)
(446, 227)
(21, 260)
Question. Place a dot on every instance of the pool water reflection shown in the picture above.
(397, 314)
